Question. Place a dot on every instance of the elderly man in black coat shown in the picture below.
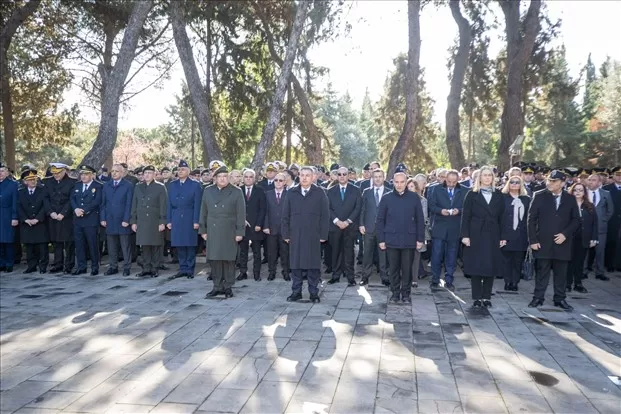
(255, 217)
(32, 208)
(305, 223)
(345, 203)
(553, 219)
(400, 229)
(59, 188)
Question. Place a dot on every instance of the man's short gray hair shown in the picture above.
(250, 171)
(308, 168)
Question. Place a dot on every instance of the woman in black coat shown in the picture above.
(514, 230)
(32, 209)
(583, 239)
(480, 231)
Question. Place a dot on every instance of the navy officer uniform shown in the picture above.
(8, 219)
(86, 203)
(183, 216)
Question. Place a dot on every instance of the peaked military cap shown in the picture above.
(30, 174)
(183, 163)
(557, 175)
(221, 170)
(86, 169)
(215, 164)
(148, 168)
(334, 167)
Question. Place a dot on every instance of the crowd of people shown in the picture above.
(564, 222)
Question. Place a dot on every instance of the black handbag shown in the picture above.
(528, 267)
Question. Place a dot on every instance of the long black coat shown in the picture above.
(305, 221)
(30, 207)
(588, 229)
(517, 240)
(400, 220)
(614, 224)
(255, 212)
(59, 198)
(481, 223)
(544, 221)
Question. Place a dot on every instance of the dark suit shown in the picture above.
(368, 217)
(613, 240)
(35, 237)
(581, 243)
(85, 228)
(517, 239)
(605, 210)
(116, 208)
(445, 229)
(255, 216)
(544, 222)
(61, 232)
(264, 184)
(276, 246)
(345, 208)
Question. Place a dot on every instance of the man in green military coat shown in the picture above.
(222, 225)
(148, 220)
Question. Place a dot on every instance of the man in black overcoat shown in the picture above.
(58, 190)
(32, 207)
(613, 240)
(255, 217)
(553, 219)
(276, 246)
(305, 224)
(345, 203)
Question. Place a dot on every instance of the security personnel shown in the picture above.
(148, 221)
(8, 219)
(59, 188)
(184, 206)
(32, 211)
(86, 202)
(222, 225)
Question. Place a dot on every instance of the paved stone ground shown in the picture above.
(115, 344)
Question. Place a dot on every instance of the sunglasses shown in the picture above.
(514, 182)
(342, 174)
(280, 180)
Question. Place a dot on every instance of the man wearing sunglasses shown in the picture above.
(345, 203)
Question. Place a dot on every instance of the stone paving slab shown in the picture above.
(128, 345)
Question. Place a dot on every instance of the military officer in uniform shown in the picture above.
(32, 211)
(59, 188)
(86, 203)
(222, 225)
(184, 205)
(8, 219)
(149, 220)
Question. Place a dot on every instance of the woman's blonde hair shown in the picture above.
(477, 183)
(523, 192)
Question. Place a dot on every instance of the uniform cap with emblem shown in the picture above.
(557, 175)
(367, 167)
(271, 166)
(294, 166)
(527, 168)
(401, 168)
(616, 170)
(221, 170)
(334, 167)
(352, 170)
(164, 169)
(215, 164)
(196, 172)
(572, 171)
(30, 174)
(86, 169)
(148, 168)
(56, 167)
(183, 163)
(139, 170)
(601, 171)
(584, 172)
(321, 168)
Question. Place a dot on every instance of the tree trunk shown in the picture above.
(519, 49)
(289, 125)
(411, 94)
(9, 28)
(108, 125)
(198, 95)
(470, 142)
(453, 136)
(269, 130)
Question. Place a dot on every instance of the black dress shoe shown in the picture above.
(143, 274)
(125, 272)
(333, 281)
(264, 261)
(228, 293)
(42, 271)
(257, 278)
(450, 287)
(8, 269)
(2, 268)
(364, 282)
(535, 303)
(94, 272)
(406, 299)
(78, 272)
(386, 283)
(394, 298)
(213, 293)
(477, 304)
(351, 282)
(53, 269)
(581, 289)
(328, 270)
(190, 275)
(287, 278)
(162, 267)
(110, 272)
(563, 305)
(602, 277)
(242, 276)
(434, 285)
(359, 262)
(176, 276)
(514, 288)
(30, 270)
(210, 277)
(314, 299)
(568, 289)
(271, 277)
(155, 274)
(487, 303)
(294, 297)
